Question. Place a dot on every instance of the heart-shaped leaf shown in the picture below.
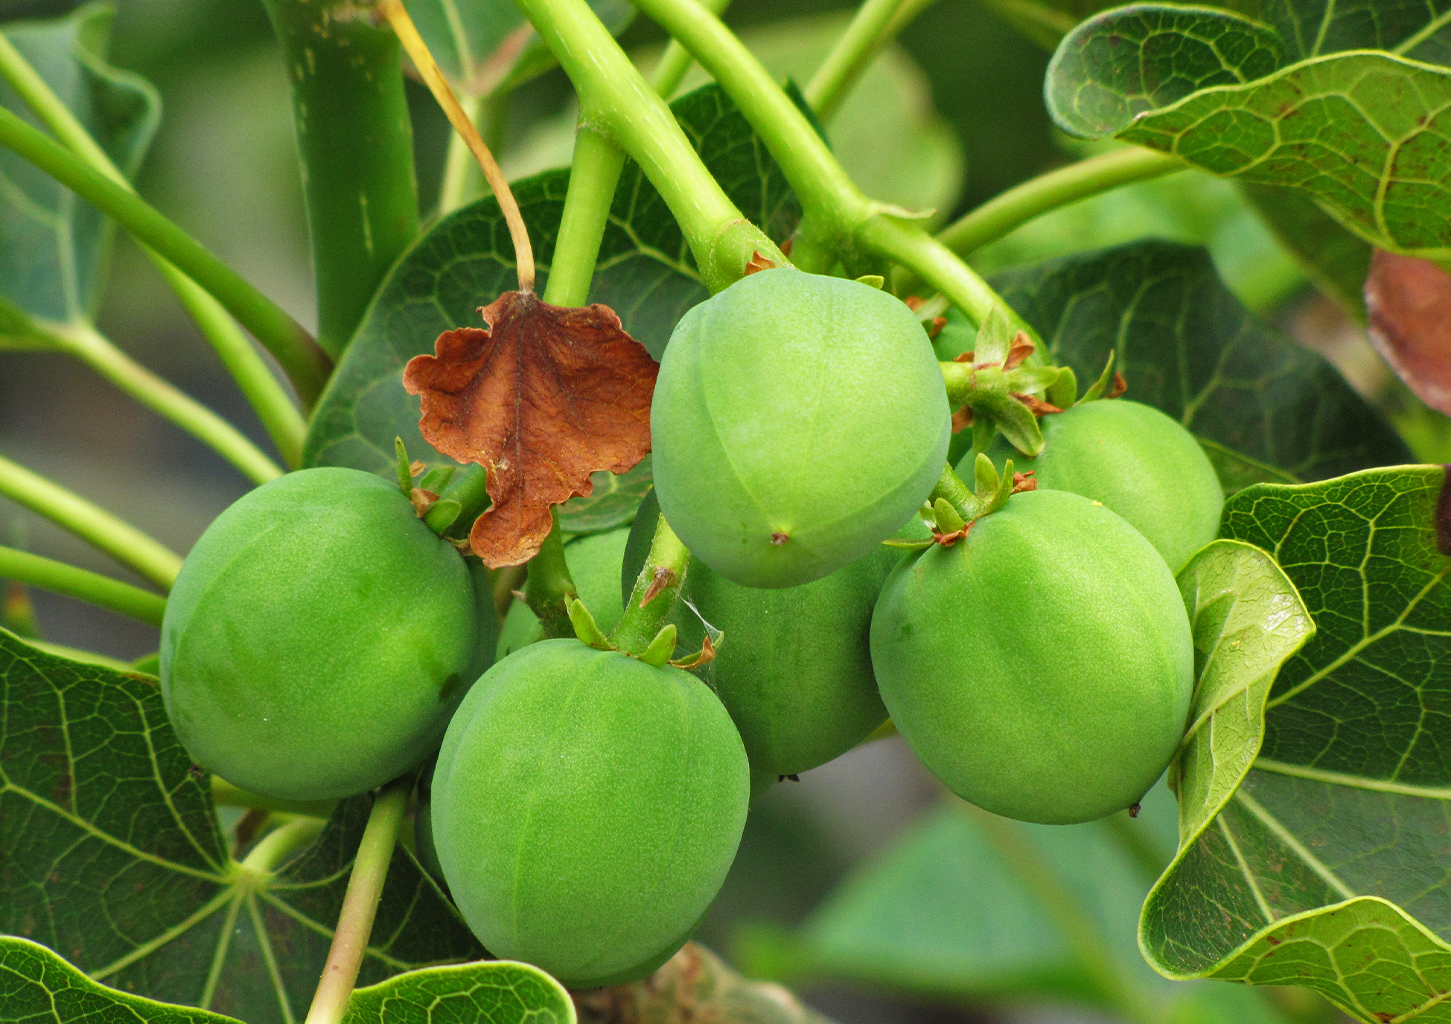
(111, 855)
(1327, 865)
(1264, 407)
(493, 992)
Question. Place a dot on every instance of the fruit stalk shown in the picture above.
(360, 904)
(271, 402)
(656, 588)
(550, 585)
(93, 524)
(305, 363)
(93, 588)
(356, 145)
(874, 25)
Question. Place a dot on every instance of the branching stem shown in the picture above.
(96, 526)
(279, 416)
(360, 904)
(874, 25)
(305, 363)
(93, 588)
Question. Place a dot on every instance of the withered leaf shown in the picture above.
(1409, 301)
(541, 399)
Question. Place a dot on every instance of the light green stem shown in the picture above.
(76, 654)
(1047, 192)
(360, 904)
(675, 62)
(306, 365)
(875, 23)
(268, 398)
(93, 588)
(663, 571)
(593, 175)
(224, 794)
(96, 526)
(910, 246)
(617, 102)
(277, 846)
(550, 585)
(87, 344)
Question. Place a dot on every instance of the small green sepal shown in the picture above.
(947, 518)
(872, 280)
(1063, 392)
(584, 625)
(1099, 387)
(405, 468)
(660, 649)
(443, 513)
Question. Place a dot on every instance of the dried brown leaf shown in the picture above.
(1118, 387)
(1036, 405)
(1025, 481)
(1021, 348)
(961, 419)
(1409, 301)
(758, 263)
(541, 399)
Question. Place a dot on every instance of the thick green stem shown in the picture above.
(93, 588)
(306, 365)
(87, 344)
(356, 144)
(121, 541)
(224, 794)
(278, 846)
(660, 580)
(274, 408)
(910, 246)
(675, 62)
(550, 585)
(875, 23)
(76, 654)
(1047, 192)
(360, 904)
(593, 175)
(617, 102)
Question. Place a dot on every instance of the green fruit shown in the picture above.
(798, 420)
(794, 667)
(594, 565)
(318, 638)
(586, 808)
(1138, 462)
(1041, 667)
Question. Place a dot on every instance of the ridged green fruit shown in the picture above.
(794, 668)
(586, 808)
(798, 420)
(1042, 667)
(318, 638)
(594, 565)
(1138, 462)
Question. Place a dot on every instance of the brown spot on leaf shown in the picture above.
(961, 420)
(1021, 348)
(541, 399)
(1118, 387)
(1036, 405)
(1443, 515)
(1409, 301)
(758, 263)
(780, 538)
(1384, 1018)
(1024, 482)
(664, 578)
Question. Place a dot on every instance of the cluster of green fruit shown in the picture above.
(585, 803)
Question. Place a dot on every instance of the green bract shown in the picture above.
(1042, 666)
(794, 667)
(1138, 462)
(798, 420)
(318, 638)
(586, 808)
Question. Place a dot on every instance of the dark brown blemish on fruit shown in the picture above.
(1134, 811)
(780, 538)
(1443, 515)
(783, 778)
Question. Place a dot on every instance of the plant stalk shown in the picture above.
(306, 365)
(356, 145)
(268, 398)
(550, 585)
(95, 525)
(593, 175)
(360, 903)
(663, 574)
(874, 25)
(1002, 214)
(93, 588)
(87, 344)
(675, 62)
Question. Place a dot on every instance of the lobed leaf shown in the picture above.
(645, 274)
(493, 992)
(53, 262)
(111, 855)
(1328, 865)
(1264, 406)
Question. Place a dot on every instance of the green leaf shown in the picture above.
(1358, 131)
(645, 274)
(1326, 868)
(56, 247)
(496, 992)
(1336, 260)
(38, 987)
(611, 504)
(111, 855)
(1048, 21)
(1187, 347)
(1145, 57)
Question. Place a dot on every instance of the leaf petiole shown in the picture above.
(93, 524)
(875, 24)
(82, 584)
(360, 904)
